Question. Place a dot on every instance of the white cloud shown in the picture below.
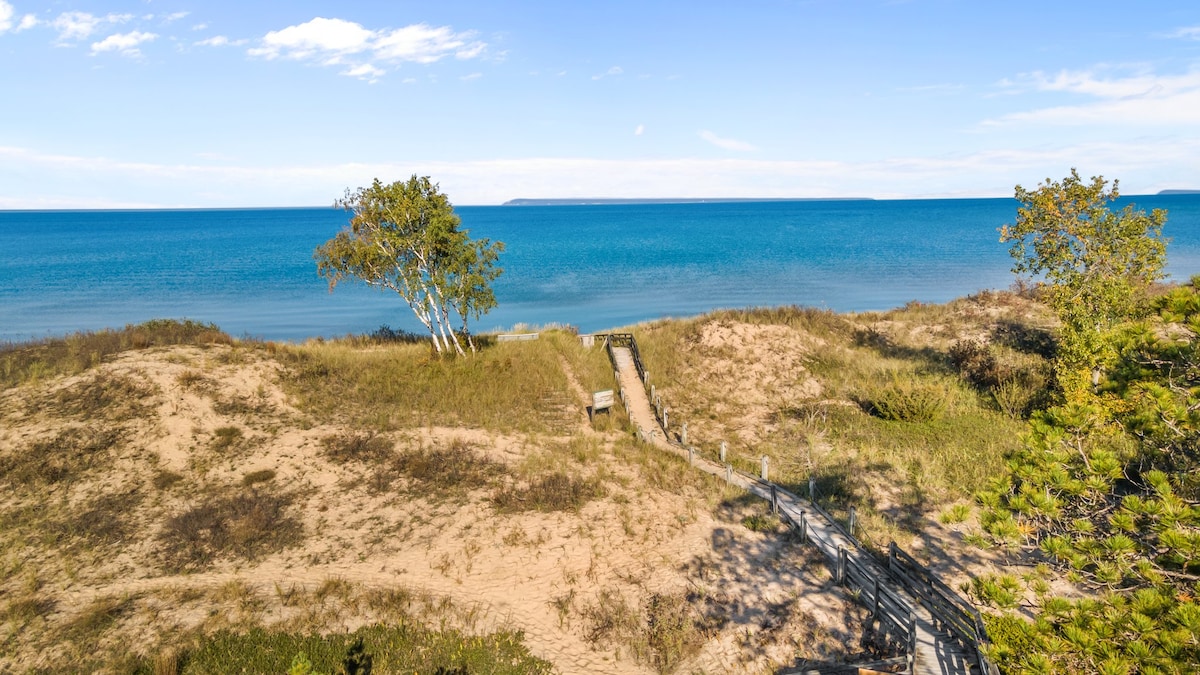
(73, 26)
(170, 18)
(219, 41)
(425, 44)
(639, 130)
(726, 143)
(331, 41)
(124, 43)
(1139, 99)
(365, 71)
(471, 76)
(319, 36)
(611, 72)
(7, 14)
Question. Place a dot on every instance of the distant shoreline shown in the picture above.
(668, 200)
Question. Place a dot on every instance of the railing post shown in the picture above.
(647, 379)
(891, 556)
(666, 411)
(841, 566)
(875, 608)
(653, 396)
(724, 450)
(853, 520)
(812, 489)
(683, 434)
(691, 456)
(765, 461)
(728, 473)
(774, 499)
(617, 376)
(803, 527)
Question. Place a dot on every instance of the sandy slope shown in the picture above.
(541, 573)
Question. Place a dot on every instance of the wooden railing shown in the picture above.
(947, 606)
(872, 584)
(624, 340)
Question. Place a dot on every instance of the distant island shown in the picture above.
(1179, 192)
(605, 201)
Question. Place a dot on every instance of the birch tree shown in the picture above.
(404, 237)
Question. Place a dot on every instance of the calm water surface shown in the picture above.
(596, 267)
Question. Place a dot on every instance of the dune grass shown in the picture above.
(898, 429)
(511, 386)
(75, 353)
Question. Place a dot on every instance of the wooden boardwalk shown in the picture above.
(934, 650)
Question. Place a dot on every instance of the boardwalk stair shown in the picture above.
(938, 631)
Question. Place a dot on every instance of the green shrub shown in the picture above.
(908, 400)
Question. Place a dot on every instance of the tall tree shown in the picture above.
(405, 237)
(1094, 265)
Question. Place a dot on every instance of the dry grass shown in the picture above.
(376, 458)
(31, 361)
(242, 524)
(513, 386)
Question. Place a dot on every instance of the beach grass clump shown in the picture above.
(61, 459)
(451, 469)
(404, 648)
(555, 491)
(907, 399)
(245, 524)
(108, 396)
(22, 362)
(510, 386)
(364, 446)
(664, 631)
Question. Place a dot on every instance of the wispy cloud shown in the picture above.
(332, 42)
(125, 44)
(726, 143)
(7, 19)
(219, 41)
(611, 72)
(1142, 98)
(639, 130)
(1186, 33)
(75, 26)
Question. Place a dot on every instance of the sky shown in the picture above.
(213, 103)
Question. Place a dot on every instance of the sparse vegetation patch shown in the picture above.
(246, 524)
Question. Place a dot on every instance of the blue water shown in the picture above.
(595, 267)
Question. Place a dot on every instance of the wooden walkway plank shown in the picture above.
(937, 653)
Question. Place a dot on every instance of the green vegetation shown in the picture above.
(404, 237)
(22, 362)
(405, 648)
(1105, 484)
(884, 411)
(511, 386)
(1096, 266)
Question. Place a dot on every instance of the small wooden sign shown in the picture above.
(602, 400)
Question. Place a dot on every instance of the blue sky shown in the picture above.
(181, 103)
